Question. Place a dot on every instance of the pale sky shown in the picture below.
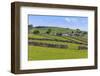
(72, 22)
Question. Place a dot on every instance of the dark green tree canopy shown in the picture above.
(48, 31)
(36, 32)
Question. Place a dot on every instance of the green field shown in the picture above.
(50, 53)
(44, 53)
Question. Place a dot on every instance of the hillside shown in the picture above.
(47, 43)
(55, 30)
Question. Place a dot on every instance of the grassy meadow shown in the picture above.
(53, 36)
(45, 53)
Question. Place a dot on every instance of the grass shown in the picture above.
(48, 53)
(46, 36)
(35, 36)
(74, 39)
(45, 53)
(70, 45)
(54, 30)
(54, 37)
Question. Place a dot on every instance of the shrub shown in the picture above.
(47, 45)
(36, 32)
(82, 47)
(48, 31)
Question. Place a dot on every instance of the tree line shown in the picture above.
(77, 31)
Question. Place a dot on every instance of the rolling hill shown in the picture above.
(43, 45)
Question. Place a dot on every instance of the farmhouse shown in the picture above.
(76, 34)
(65, 34)
(62, 34)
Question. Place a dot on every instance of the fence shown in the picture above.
(69, 41)
(47, 44)
(82, 47)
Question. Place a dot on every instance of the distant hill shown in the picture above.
(54, 30)
(59, 32)
(43, 29)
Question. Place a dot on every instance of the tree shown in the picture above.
(78, 31)
(30, 28)
(72, 32)
(36, 32)
(84, 32)
(48, 31)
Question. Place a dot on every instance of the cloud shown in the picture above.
(71, 19)
(68, 19)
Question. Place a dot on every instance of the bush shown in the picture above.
(48, 31)
(47, 44)
(82, 47)
(36, 32)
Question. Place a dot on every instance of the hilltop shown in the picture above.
(58, 30)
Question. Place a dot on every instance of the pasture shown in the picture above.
(57, 37)
(45, 53)
(51, 53)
